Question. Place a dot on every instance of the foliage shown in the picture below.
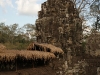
(95, 12)
(95, 7)
(81, 5)
(18, 46)
(97, 23)
(14, 37)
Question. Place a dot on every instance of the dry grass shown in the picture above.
(44, 46)
(52, 48)
(10, 55)
(36, 55)
(7, 57)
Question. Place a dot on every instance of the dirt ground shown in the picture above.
(46, 70)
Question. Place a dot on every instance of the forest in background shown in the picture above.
(15, 37)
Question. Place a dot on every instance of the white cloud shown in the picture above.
(5, 3)
(3, 20)
(28, 7)
(9, 2)
(2, 3)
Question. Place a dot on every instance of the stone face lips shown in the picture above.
(58, 23)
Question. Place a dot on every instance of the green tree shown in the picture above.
(30, 29)
(12, 32)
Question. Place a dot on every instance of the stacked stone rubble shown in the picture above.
(59, 24)
(93, 44)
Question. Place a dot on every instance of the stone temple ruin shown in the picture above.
(59, 24)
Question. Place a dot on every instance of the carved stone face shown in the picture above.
(60, 14)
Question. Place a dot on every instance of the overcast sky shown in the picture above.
(19, 11)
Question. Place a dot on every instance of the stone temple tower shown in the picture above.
(59, 24)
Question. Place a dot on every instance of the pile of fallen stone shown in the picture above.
(77, 69)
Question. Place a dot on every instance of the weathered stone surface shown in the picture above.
(58, 23)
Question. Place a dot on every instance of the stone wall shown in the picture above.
(59, 24)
